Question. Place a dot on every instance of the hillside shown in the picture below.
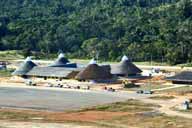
(143, 29)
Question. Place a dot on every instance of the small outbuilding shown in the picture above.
(184, 77)
(125, 68)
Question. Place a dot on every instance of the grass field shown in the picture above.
(14, 54)
(147, 87)
(6, 73)
(128, 106)
(10, 55)
(179, 90)
(149, 121)
(131, 113)
(151, 63)
(162, 97)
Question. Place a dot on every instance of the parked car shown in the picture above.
(85, 87)
(147, 92)
(140, 92)
(30, 83)
(144, 92)
(111, 90)
(50, 85)
(59, 86)
(66, 86)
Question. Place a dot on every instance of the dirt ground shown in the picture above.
(94, 118)
(14, 124)
(117, 116)
(38, 119)
(87, 116)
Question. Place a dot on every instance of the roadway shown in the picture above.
(49, 99)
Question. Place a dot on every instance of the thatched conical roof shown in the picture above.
(94, 72)
(25, 67)
(125, 68)
(61, 61)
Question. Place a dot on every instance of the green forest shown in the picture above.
(145, 30)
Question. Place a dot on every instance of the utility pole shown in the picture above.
(151, 59)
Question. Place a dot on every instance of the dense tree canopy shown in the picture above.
(142, 29)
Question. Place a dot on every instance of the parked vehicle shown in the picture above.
(147, 92)
(111, 90)
(30, 83)
(140, 92)
(144, 92)
(85, 87)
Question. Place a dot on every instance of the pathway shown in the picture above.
(173, 87)
(168, 105)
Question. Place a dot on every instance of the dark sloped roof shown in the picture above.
(125, 67)
(24, 68)
(94, 72)
(60, 61)
(69, 65)
(53, 72)
(185, 76)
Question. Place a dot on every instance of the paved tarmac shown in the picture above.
(58, 100)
